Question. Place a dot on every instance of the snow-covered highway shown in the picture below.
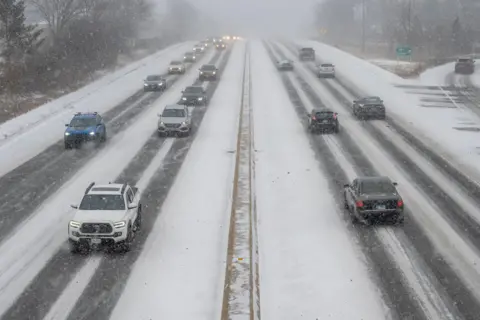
(245, 218)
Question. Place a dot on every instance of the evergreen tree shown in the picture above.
(17, 37)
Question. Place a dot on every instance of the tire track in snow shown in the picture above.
(448, 278)
(49, 283)
(105, 288)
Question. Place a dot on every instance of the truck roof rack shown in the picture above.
(89, 187)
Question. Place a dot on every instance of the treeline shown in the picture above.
(433, 28)
(76, 38)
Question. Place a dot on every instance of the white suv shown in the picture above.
(326, 70)
(108, 216)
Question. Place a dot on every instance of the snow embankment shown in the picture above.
(445, 129)
(29, 134)
(310, 267)
(180, 273)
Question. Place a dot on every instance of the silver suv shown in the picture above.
(175, 119)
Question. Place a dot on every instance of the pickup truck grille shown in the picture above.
(96, 228)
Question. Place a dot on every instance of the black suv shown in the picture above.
(323, 120)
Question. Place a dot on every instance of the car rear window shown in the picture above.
(376, 187)
(306, 50)
(327, 65)
(324, 115)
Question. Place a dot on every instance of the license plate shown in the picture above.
(96, 241)
(380, 207)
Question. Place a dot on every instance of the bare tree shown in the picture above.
(59, 13)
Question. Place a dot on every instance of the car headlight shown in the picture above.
(161, 124)
(120, 224)
(214, 72)
(184, 98)
(145, 84)
(183, 124)
(74, 224)
(201, 72)
(200, 99)
(92, 133)
(67, 133)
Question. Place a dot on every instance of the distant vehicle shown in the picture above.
(176, 67)
(220, 45)
(154, 83)
(193, 95)
(285, 65)
(189, 57)
(208, 72)
(205, 43)
(175, 119)
(199, 49)
(369, 107)
(374, 198)
(306, 54)
(85, 127)
(226, 37)
(323, 120)
(109, 216)
(216, 39)
(465, 66)
(326, 70)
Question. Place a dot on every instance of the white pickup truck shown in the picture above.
(108, 216)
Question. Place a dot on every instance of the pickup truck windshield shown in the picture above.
(102, 202)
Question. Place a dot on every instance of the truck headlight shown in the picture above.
(92, 133)
(120, 224)
(74, 224)
(67, 133)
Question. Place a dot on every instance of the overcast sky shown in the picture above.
(259, 17)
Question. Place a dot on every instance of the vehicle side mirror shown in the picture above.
(308, 114)
(183, 91)
(395, 184)
(355, 101)
(74, 206)
(346, 186)
(159, 115)
(132, 206)
(67, 125)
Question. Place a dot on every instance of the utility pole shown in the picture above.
(363, 26)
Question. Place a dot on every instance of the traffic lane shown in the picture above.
(104, 289)
(32, 185)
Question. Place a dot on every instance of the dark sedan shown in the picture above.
(194, 96)
(369, 107)
(207, 72)
(323, 120)
(374, 198)
(155, 83)
(285, 65)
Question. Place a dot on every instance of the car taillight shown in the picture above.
(400, 203)
(359, 204)
(314, 118)
(334, 116)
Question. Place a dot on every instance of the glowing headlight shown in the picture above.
(119, 224)
(184, 123)
(74, 224)
(200, 99)
(67, 133)
(92, 133)
(161, 124)
(184, 98)
(214, 72)
(201, 72)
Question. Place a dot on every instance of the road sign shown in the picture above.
(404, 51)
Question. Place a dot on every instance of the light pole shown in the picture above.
(363, 26)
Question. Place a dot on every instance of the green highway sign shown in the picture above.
(404, 51)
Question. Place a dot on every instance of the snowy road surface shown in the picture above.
(244, 219)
